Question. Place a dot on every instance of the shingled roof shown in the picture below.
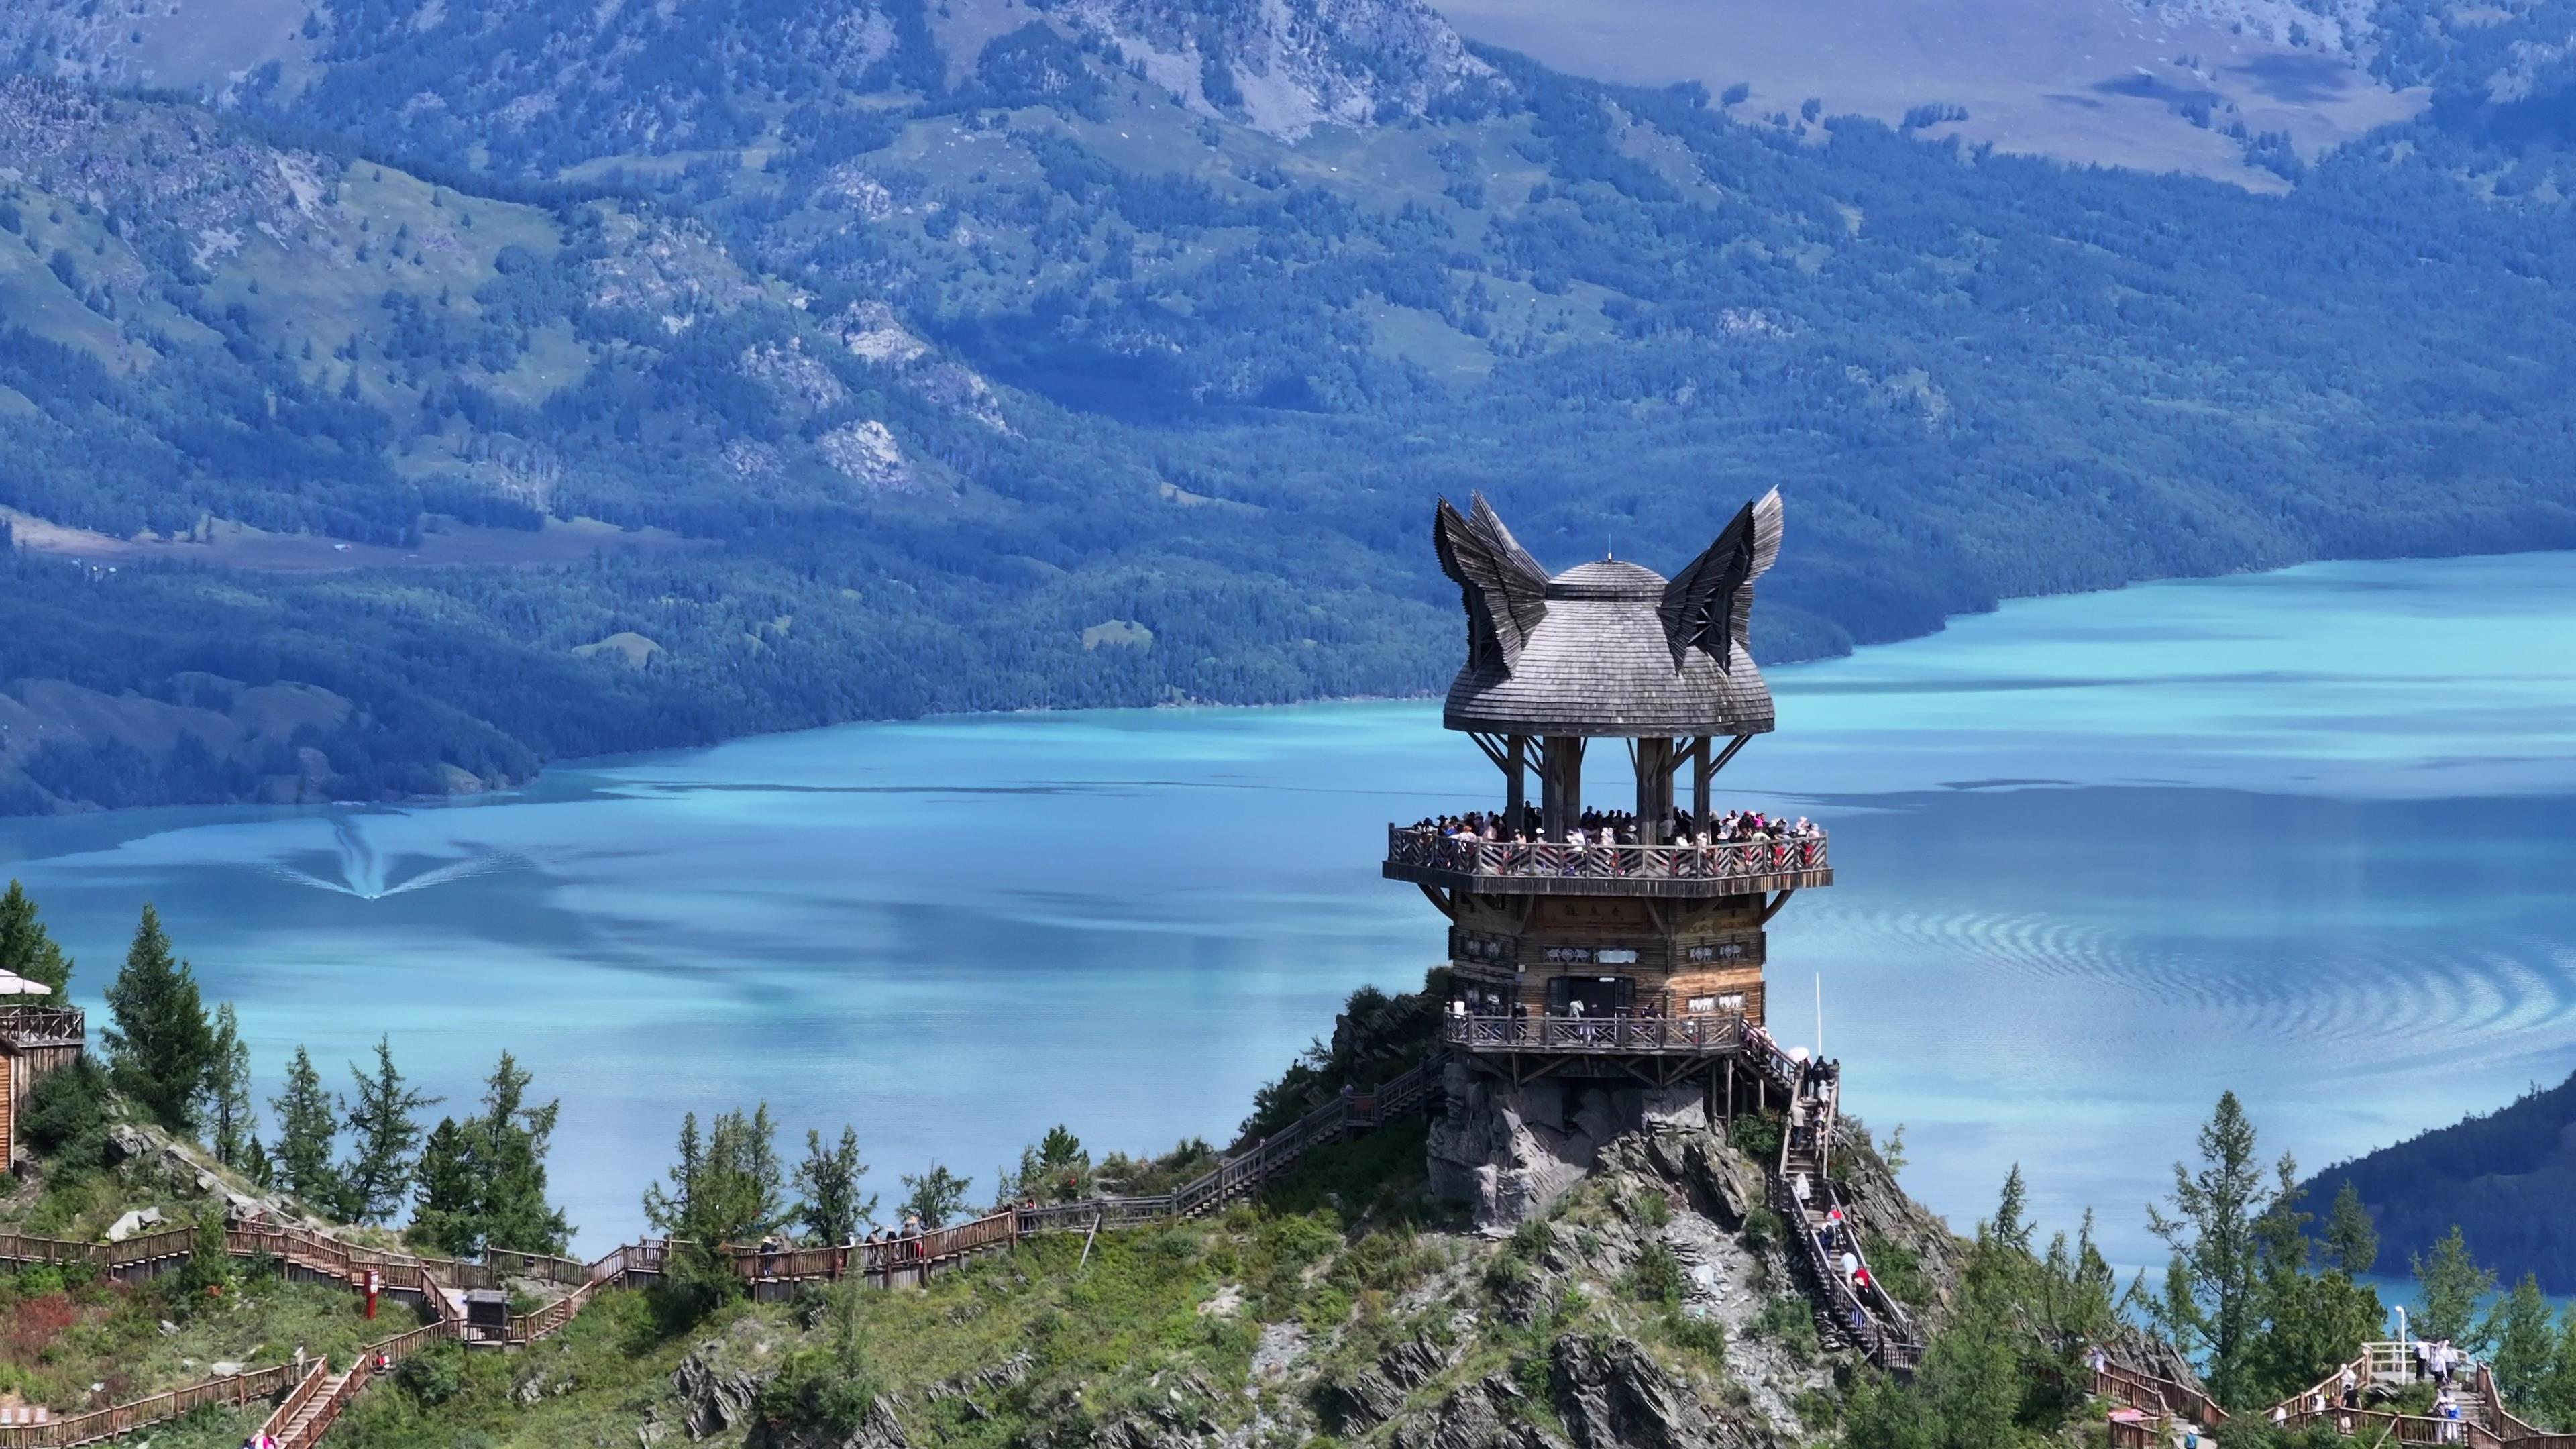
(1610, 647)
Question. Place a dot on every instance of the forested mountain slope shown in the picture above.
(897, 349)
(2504, 1178)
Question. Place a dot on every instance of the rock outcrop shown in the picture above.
(1509, 1150)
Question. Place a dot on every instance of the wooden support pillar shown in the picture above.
(1700, 774)
(1654, 763)
(1516, 783)
(1730, 1092)
(1561, 771)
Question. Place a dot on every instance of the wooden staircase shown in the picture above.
(316, 1413)
(1858, 1312)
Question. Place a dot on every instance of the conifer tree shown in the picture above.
(2352, 1241)
(384, 1136)
(307, 1138)
(935, 1196)
(2453, 1286)
(2212, 1296)
(26, 948)
(827, 1183)
(160, 1049)
(723, 1191)
(482, 1181)
(2524, 1344)
(228, 1109)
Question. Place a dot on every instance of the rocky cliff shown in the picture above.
(1648, 1306)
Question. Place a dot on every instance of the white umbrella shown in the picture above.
(13, 984)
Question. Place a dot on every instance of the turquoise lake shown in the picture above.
(2309, 835)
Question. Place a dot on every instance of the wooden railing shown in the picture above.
(1691, 1034)
(241, 1388)
(1739, 860)
(2157, 1394)
(42, 1025)
(1237, 1174)
(283, 1417)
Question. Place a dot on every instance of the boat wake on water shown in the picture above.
(368, 874)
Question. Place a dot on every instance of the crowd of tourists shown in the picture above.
(1619, 827)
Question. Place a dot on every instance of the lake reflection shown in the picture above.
(2303, 834)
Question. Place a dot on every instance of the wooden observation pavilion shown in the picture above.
(1631, 947)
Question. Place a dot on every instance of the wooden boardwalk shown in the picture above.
(2154, 1407)
(311, 1396)
(314, 1394)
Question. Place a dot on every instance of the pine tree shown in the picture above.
(827, 1182)
(255, 1164)
(384, 1136)
(2453, 1286)
(307, 1138)
(2352, 1241)
(228, 1109)
(161, 1048)
(935, 1196)
(2524, 1345)
(2212, 1233)
(447, 1210)
(26, 949)
(724, 1191)
(482, 1181)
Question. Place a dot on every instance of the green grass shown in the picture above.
(59, 1336)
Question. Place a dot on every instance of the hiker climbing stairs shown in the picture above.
(1852, 1307)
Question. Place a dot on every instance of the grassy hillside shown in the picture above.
(894, 358)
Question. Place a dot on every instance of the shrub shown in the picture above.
(433, 1375)
(1654, 1210)
(1762, 1228)
(66, 1117)
(1757, 1136)
(1658, 1277)
(1789, 1323)
(1704, 1337)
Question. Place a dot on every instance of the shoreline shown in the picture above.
(513, 787)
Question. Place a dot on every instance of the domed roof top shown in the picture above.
(1608, 647)
(1607, 578)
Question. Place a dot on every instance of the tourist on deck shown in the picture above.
(1798, 1188)
(1851, 1266)
(2351, 1389)
(2097, 1359)
(2443, 1363)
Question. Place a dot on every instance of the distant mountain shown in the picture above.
(2504, 1178)
(677, 371)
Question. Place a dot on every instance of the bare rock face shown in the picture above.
(716, 1392)
(1611, 1395)
(879, 1430)
(1487, 1414)
(1509, 1150)
(1364, 1400)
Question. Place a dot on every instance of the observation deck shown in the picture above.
(1493, 867)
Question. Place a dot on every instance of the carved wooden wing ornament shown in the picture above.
(1504, 588)
(1708, 604)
